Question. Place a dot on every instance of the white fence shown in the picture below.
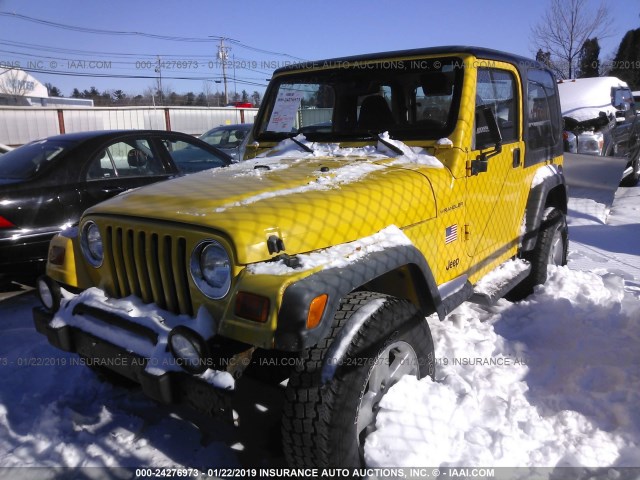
(20, 125)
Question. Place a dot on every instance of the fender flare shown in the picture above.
(292, 334)
(536, 203)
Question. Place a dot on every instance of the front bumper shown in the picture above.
(171, 387)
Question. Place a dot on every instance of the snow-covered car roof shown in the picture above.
(584, 98)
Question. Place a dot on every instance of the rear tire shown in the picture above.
(551, 249)
(326, 425)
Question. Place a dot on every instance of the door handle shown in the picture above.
(516, 157)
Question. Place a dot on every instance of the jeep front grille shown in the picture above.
(151, 266)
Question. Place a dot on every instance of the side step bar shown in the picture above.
(497, 283)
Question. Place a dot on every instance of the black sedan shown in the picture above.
(47, 184)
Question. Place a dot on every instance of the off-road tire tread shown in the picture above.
(308, 433)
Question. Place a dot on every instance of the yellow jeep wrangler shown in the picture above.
(375, 190)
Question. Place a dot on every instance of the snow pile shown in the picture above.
(551, 381)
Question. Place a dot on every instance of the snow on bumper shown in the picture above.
(130, 338)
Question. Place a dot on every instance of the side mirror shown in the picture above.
(480, 164)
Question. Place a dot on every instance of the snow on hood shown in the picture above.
(342, 175)
(584, 98)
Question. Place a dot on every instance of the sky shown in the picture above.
(260, 36)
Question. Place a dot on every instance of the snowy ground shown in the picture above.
(550, 381)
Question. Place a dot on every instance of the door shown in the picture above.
(117, 167)
(494, 196)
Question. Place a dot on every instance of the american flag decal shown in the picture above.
(451, 234)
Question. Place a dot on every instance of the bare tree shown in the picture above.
(564, 28)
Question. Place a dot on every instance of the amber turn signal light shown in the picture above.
(316, 309)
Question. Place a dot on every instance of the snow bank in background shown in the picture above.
(552, 381)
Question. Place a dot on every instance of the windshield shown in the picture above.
(26, 161)
(411, 99)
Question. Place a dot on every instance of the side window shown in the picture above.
(135, 158)
(543, 123)
(496, 89)
(101, 167)
(189, 157)
(130, 158)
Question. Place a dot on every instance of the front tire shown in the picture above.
(327, 424)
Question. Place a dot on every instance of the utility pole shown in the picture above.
(159, 72)
(223, 55)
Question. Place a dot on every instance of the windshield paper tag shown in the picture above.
(285, 111)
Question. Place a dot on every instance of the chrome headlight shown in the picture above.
(189, 349)
(91, 243)
(211, 269)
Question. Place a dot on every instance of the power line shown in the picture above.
(98, 31)
(107, 75)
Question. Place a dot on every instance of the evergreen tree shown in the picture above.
(53, 91)
(626, 64)
(589, 62)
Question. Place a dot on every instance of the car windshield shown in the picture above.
(28, 160)
(411, 99)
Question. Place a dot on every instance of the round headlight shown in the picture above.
(91, 242)
(211, 269)
(188, 348)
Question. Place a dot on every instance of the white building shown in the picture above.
(18, 88)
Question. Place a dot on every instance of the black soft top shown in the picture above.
(480, 52)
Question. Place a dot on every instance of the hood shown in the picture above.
(583, 99)
(310, 203)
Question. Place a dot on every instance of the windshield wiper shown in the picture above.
(306, 148)
(290, 136)
(387, 143)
